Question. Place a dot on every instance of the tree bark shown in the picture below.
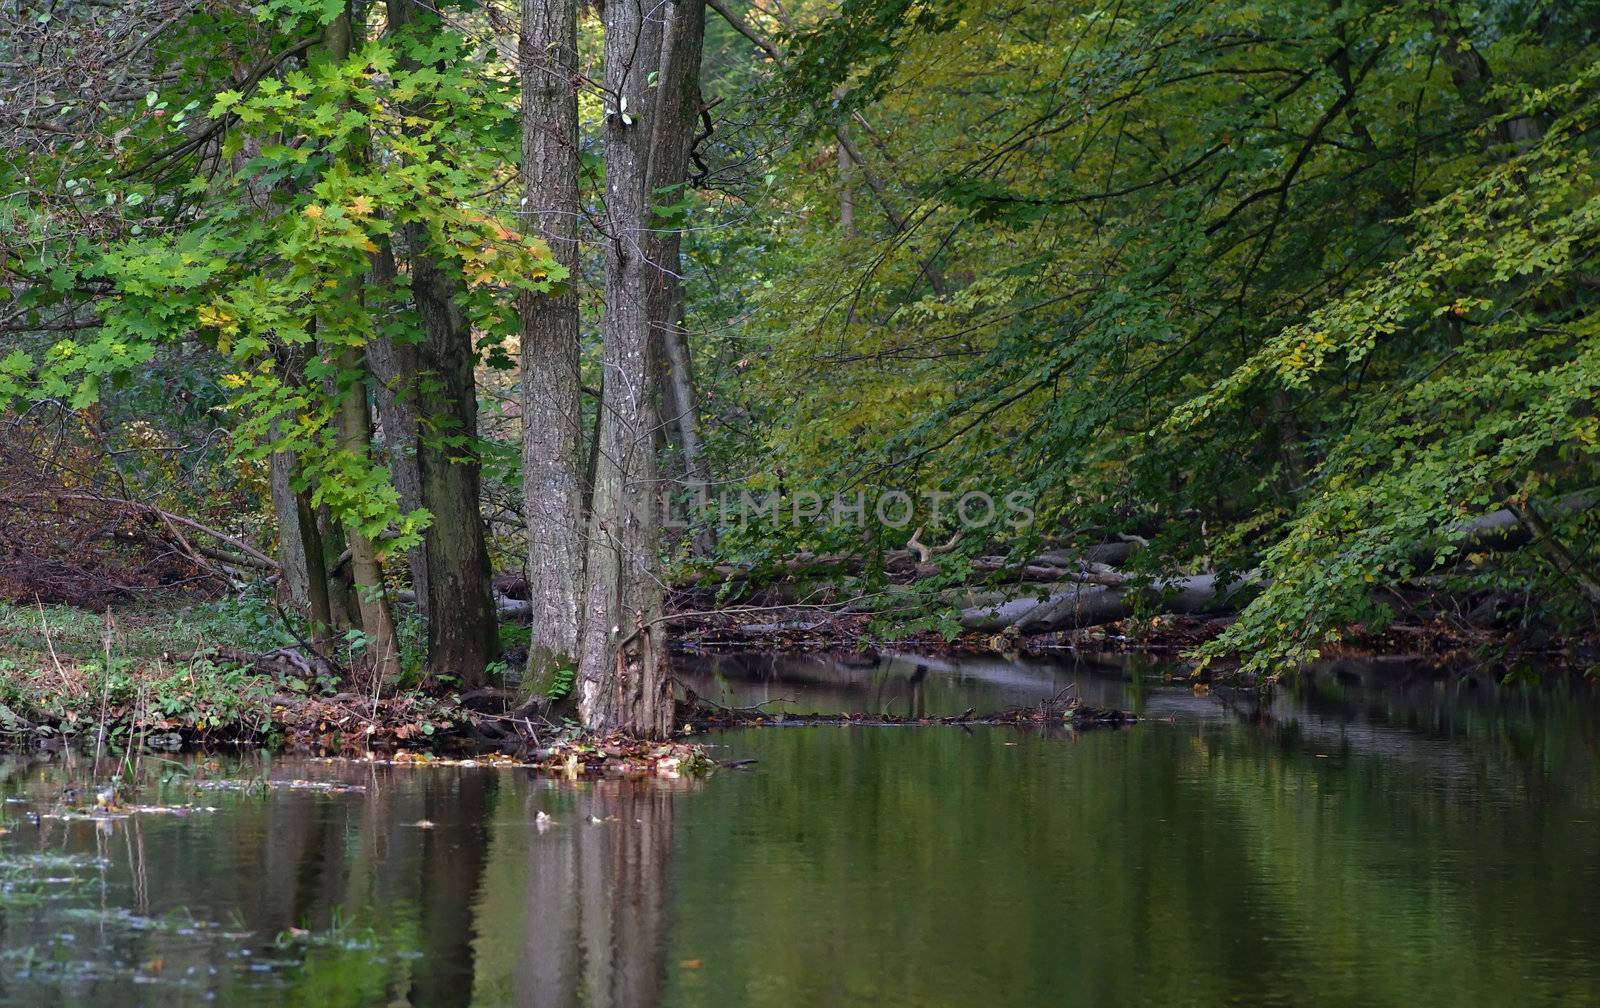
(552, 419)
(1085, 605)
(355, 437)
(622, 681)
(847, 195)
(342, 607)
(672, 128)
(463, 635)
(319, 605)
(592, 457)
(1471, 75)
(847, 192)
(295, 589)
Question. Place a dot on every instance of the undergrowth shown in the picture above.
(163, 677)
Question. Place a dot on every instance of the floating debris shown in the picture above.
(113, 813)
(571, 756)
(410, 757)
(326, 787)
(621, 756)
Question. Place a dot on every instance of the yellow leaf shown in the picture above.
(314, 212)
(214, 317)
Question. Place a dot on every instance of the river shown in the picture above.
(1376, 835)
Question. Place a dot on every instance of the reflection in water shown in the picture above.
(907, 685)
(575, 913)
(1361, 839)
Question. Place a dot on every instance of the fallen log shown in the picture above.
(1504, 529)
(1081, 604)
(1077, 606)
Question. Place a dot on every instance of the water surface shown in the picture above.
(1424, 842)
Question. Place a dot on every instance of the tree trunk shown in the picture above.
(678, 373)
(319, 605)
(672, 126)
(295, 588)
(847, 191)
(355, 436)
(336, 566)
(463, 635)
(592, 457)
(622, 681)
(1472, 77)
(366, 572)
(300, 552)
(552, 419)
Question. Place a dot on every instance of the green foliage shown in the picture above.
(561, 683)
(184, 666)
(1492, 401)
(1296, 290)
(327, 164)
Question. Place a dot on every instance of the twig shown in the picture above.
(289, 626)
(255, 556)
(50, 643)
(105, 688)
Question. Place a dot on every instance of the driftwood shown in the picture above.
(1100, 595)
(1085, 605)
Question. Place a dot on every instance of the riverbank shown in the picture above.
(1438, 643)
(207, 676)
(202, 677)
(227, 674)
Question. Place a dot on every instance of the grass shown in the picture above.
(139, 671)
(164, 677)
(141, 632)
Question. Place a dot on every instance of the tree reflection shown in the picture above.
(574, 907)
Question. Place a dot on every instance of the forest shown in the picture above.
(786, 503)
(418, 351)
